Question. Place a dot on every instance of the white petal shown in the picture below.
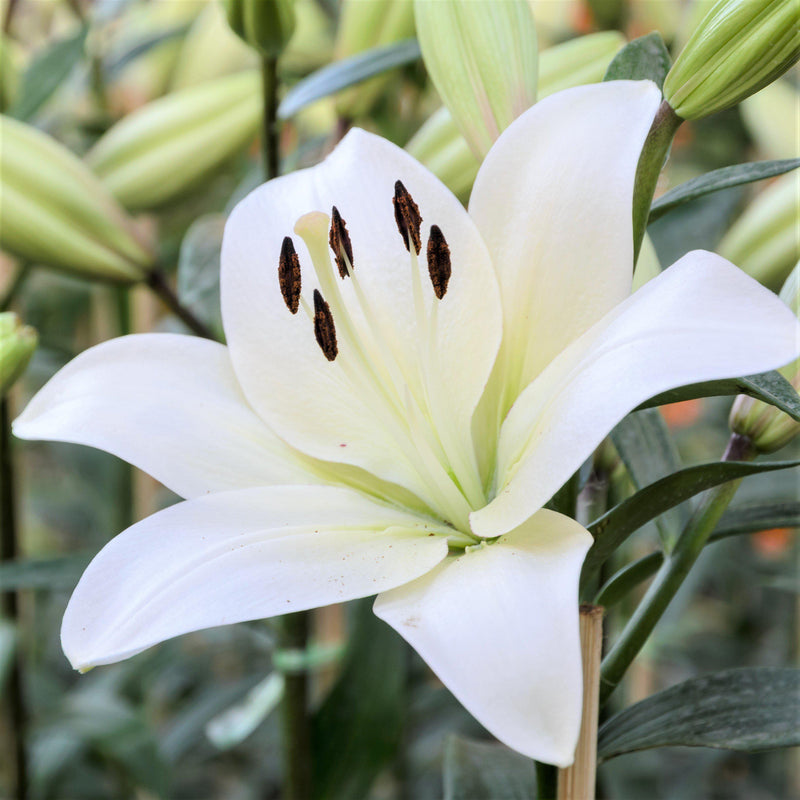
(702, 319)
(499, 626)
(238, 556)
(552, 201)
(313, 403)
(168, 404)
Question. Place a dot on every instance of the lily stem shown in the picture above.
(651, 161)
(124, 492)
(294, 630)
(672, 573)
(157, 281)
(9, 550)
(270, 132)
(577, 782)
(546, 777)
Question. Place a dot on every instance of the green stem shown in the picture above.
(651, 162)
(672, 573)
(270, 131)
(158, 283)
(16, 284)
(9, 550)
(124, 493)
(546, 779)
(293, 633)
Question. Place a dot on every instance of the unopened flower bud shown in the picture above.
(439, 145)
(57, 213)
(17, 343)
(266, 25)
(739, 47)
(768, 428)
(363, 26)
(763, 241)
(483, 61)
(155, 154)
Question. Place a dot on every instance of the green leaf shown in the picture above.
(737, 709)
(143, 46)
(199, 269)
(475, 770)
(771, 387)
(753, 517)
(8, 647)
(619, 584)
(719, 179)
(644, 58)
(358, 728)
(645, 446)
(46, 73)
(347, 72)
(61, 572)
(614, 527)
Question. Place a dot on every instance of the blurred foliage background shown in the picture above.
(197, 717)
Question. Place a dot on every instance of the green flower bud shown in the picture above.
(362, 26)
(763, 241)
(158, 152)
(56, 212)
(439, 145)
(210, 33)
(768, 428)
(9, 72)
(266, 25)
(739, 47)
(483, 60)
(17, 343)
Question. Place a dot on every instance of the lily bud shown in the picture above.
(768, 428)
(362, 26)
(439, 145)
(266, 25)
(57, 213)
(483, 61)
(763, 241)
(739, 47)
(17, 343)
(153, 155)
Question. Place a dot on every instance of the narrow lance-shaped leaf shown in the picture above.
(753, 517)
(737, 709)
(347, 72)
(476, 770)
(614, 527)
(46, 73)
(645, 58)
(645, 445)
(771, 387)
(723, 178)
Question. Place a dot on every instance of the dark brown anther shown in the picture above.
(339, 240)
(439, 265)
(407, 216)
(289, 275)
(324, 329)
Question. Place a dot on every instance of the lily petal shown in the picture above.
(238, 556)
(317, 405)
(168, 404)
(561, 239)
(499, 626)
(702, 319)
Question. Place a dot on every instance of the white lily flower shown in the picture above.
(405, 385)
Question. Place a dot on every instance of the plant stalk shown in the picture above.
(270, 132)
(577, 782)
(672, 572)
(9, 550)
(158, 283)
(651, 162)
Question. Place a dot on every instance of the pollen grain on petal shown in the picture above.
(340, 243)
(289, 275)
(324, 329)
(439, 265)
(407, 216)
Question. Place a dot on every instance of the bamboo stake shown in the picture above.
(578, 781)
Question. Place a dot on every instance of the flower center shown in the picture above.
(406, 394)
